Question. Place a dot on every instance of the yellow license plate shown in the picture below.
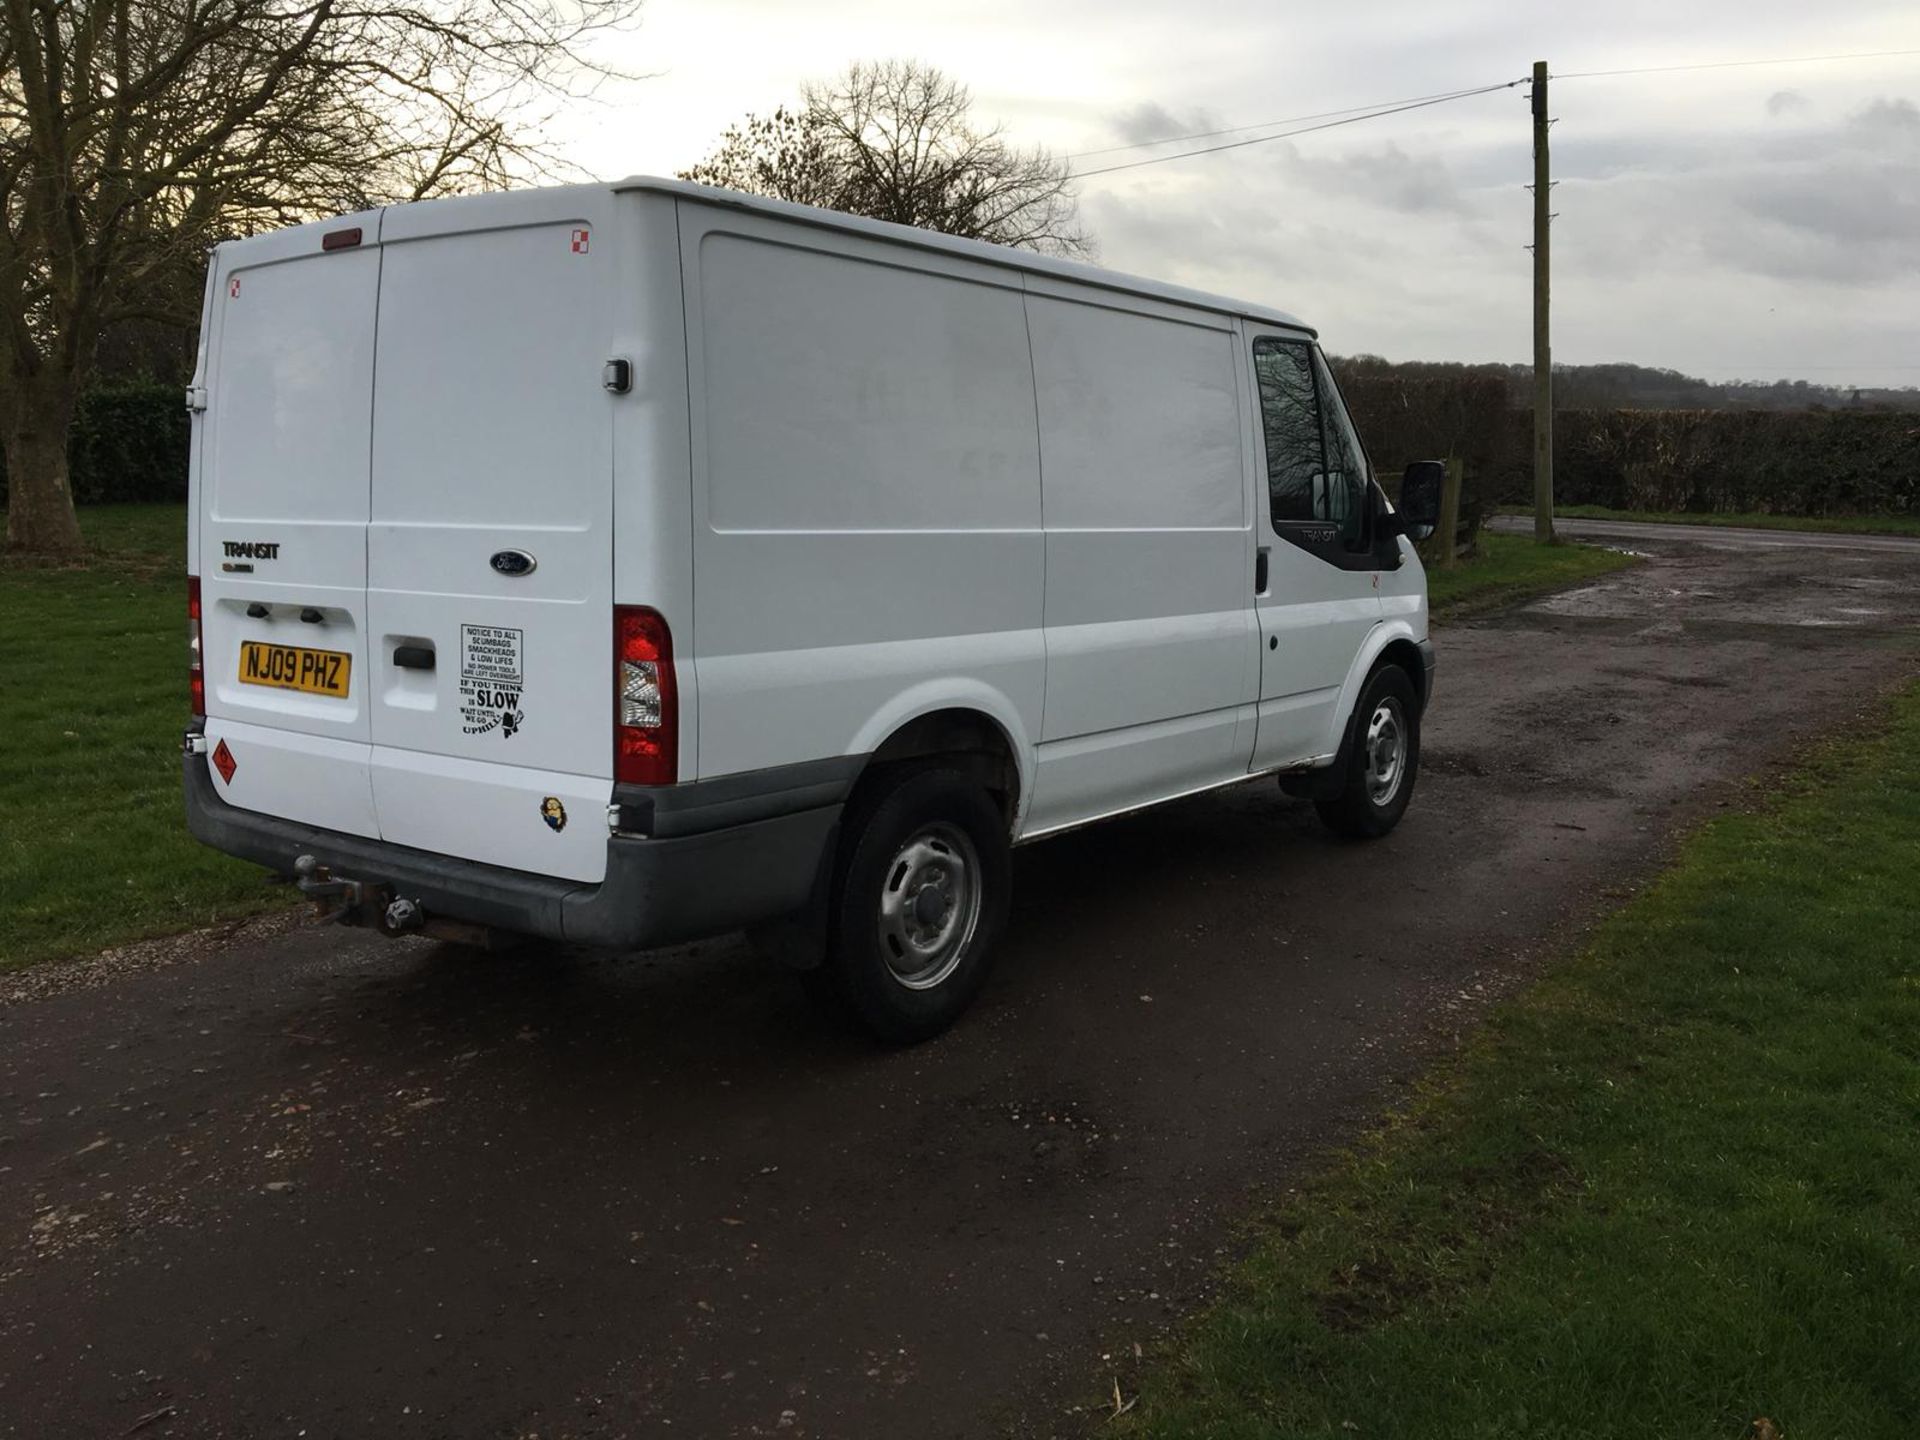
(293, 667)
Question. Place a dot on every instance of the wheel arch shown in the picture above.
(1391, 642)
(981, 728)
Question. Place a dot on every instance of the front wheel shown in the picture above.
(919, 898)
(1383, 758)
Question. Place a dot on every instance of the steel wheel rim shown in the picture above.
(929, 905)
(1386, 751)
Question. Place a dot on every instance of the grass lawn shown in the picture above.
(95, 848)
(1832, 524)
(1513, 567)
(1672, 1189)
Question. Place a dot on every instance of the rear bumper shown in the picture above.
(770, 841)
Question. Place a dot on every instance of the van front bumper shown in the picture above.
(719, 855)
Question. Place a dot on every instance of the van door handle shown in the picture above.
(413, 657)
(256, 611)
(1260, 571)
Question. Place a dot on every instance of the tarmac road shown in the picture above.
(307, 1182)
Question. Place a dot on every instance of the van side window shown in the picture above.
(1295, 438)
(1316, 469)
(1348, 475)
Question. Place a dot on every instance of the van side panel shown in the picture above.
(1151, 646)
(866, 488)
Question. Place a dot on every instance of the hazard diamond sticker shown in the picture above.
(224, 762)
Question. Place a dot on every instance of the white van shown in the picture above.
(627, 563)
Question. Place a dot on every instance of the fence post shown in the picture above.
(1450, 513)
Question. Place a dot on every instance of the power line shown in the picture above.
(1351, 119)
(1392, 107)
(1268, 124)
(1738, 64)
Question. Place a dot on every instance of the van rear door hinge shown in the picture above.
(196, 398)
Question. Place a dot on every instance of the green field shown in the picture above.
(1510, 568)
(1829, 524)
(96, 849)
(1673, 1189)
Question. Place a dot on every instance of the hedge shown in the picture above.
(128, 442)
(1783, 462)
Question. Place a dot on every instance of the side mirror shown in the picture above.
(1419, 505)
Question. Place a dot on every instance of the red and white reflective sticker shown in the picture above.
(233, 288)
(579, 242)
(224, 762)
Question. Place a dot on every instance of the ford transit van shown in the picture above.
(622, 564)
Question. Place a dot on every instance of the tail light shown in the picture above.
(646, 711)
(196, 671)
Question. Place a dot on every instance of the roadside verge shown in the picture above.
(1740, 520)
(1672, 1189)
(1512, 568)
(95, 850)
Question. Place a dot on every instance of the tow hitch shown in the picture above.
(372, 902)
(354, 902)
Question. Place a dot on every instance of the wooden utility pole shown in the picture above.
(1449, 555)
(1542, 347)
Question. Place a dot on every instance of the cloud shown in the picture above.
(1897, 118)
(1149, 121)
(1388, 177)
(1785, 102)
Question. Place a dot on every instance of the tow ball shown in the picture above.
(355, 902)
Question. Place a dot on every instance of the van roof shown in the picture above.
(979, 250)
(463, 212)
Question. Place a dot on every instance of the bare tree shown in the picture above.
(897, 141)
(136, 133)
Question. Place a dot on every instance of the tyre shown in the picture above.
(1383, 758)
(919, 899)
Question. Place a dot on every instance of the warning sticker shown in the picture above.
(492, 679)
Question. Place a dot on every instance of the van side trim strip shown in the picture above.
(1067, 825)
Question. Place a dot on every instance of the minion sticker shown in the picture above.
(554, 813)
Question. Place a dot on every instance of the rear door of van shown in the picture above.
(488, 541)
(281, 486)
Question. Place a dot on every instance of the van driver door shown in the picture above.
(1317, 567)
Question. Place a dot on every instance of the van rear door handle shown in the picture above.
(413, 657)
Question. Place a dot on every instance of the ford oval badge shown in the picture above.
(513, 562)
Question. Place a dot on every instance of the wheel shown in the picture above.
(919, 898)
(1383, 758)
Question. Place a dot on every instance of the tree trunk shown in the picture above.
(33, 428)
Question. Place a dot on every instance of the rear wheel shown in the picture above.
(1383, 758)
(919, 899)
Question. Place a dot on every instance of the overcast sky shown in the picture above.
(1758, 222)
